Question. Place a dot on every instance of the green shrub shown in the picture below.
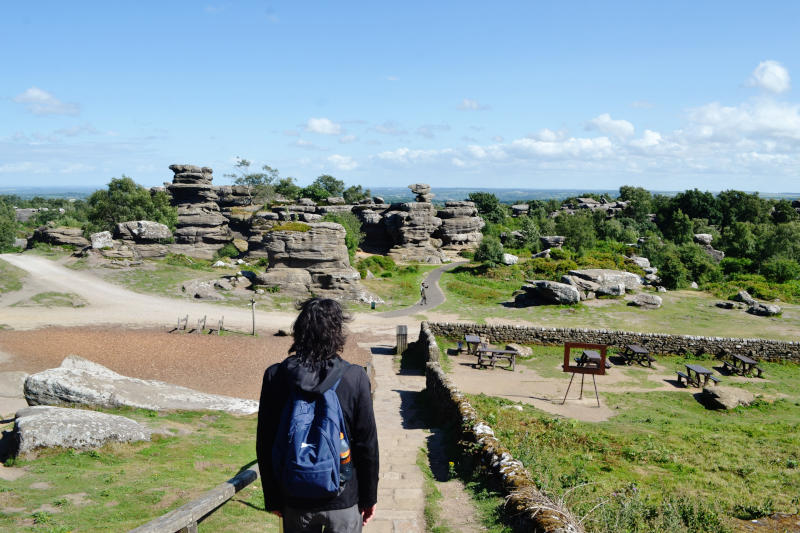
(542, 268)
(780, 270)
(560, 254)
(735, 265)
(490, 251)
(376, 264)
(186, 261)
(352, 226)
(125, 200)
(229, 250)
(8, 226)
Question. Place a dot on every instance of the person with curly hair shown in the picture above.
(314, 365)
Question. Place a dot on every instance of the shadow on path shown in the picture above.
(434, 295)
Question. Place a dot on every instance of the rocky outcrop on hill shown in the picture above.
(606, 277)
(544, 292)
(46, 427)
(81, 382)
(101, 239)
(201, 228)
(647, 301)
(60, 236)
(305, 258)
(461, 225)
(552, 241)
(410, 226)
(144, 237)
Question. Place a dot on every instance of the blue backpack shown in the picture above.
(306, 452)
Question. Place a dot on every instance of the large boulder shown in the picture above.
(552, 241)
(647, 301)
(641, 262)
(294, 281)
(47, 427)
(703, 238)
(510, 259)
(744, 297)
(101, 239)
(81, 382)
(201, 289)
(606, 277)
(719, 397)
(764, 309)
(544, 292)
(142, 231)
(61, 236)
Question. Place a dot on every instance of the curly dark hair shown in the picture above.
(318, 331)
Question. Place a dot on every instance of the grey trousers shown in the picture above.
(336, 521)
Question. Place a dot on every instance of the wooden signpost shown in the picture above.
(591, 361)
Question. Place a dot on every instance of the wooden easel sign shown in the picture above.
(592, 360)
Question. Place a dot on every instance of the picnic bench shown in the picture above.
(633, 353)
(590, 357)
(490, 356)
(742, 365)
(472, 342)
(697, 376)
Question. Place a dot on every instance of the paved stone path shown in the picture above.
(401, 497)
(434, 295)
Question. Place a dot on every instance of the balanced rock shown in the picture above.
(47, 427)
(544, 292)
(82, 382)
(647, 301)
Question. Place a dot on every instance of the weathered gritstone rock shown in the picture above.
(703, 238)
(641, 262)
(200, 221)
(101, 240)
(48, 427)
(606, 277)
(552, 241)
(648, 301)
(519, 210)
(460, 225)
(720, 397)
(202, 290)
(744, 297)
(545, 292)
(762, 309)
(142, 231)
(82, 382)
(60, 236)
(315, 261)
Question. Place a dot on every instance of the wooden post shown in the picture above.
(219, 329)
(402, 339)
(253, 307)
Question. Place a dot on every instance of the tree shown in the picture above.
(738, 206)
(259, 184)
(678, 227)
(578, 230)
(780, 269)
(316, 192)
(696, 204)
(8, 226)
(490, 251)
(738, 240)
(672, 272)
(287, 188)
(639, 202)
(784, 212)
(329, 183)
(354, 194)
(352, 225)
(489, 206)
(530, 233)
(124, 200)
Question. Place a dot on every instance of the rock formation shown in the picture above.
(46, 427)
(201, 229)
(60, 236)
(81, 382)
(544, 292)
(305, 258)
(647, 301)
(461, 225)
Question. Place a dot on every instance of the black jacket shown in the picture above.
(354, 396)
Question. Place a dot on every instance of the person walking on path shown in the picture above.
(313, 367)
(423, 296)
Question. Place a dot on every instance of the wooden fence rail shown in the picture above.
(185, 518)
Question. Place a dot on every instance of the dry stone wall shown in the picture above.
(530, 508)
(659, 343)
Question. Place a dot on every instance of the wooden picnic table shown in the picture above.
(742, 365)
(635, 353)
(490, 356)
(473, 342)
(697, 376)
(591, 357)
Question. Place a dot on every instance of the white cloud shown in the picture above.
(605, 124)
(324, 126)
(346, 139)
(771, 76)
(762, 119)
(469, 104)
(343, 162)
(649, 139)
(407, 155)
(429, 130)
(307, 145)
(642, 104)
(40, 102)
(548, 135)
(581, 147)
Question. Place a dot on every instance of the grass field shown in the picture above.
(398, 291)
(129, 484)
(10, 277)
(665, 462)
(479, 299)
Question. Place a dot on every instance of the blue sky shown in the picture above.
(581, 95)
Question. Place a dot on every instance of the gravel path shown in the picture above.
(434, 295)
